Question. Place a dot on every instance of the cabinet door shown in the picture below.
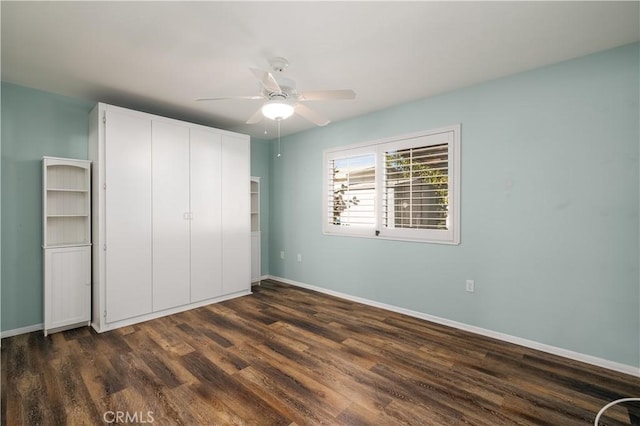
(67, 286)
(170, 146)
(128, 215)
(255, 257)
(236, 244)
(206, 225)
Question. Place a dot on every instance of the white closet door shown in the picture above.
(236, 220)
(171, 215)
(206, 226)
(128, 214)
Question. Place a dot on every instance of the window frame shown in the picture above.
(449, 135)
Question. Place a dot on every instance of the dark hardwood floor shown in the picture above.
(286, 355)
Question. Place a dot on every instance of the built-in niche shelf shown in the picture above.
(67, 202)
(255, 230)
(66, 240)
(255, 204)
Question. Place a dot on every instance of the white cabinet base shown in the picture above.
(255, 258)
(67, 288)
(103, 326)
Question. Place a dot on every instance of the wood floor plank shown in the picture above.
(223, 358)
(274, 395)
(433, 391)
(167, 338)
(408, 414)
(214, 382)
(303, 363)
(290, 356)
(278, 387)
(164, 364)
(315, 391)
(71, 389)
(355, 414)
(316, 399)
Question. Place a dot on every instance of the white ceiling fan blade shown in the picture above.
(267, 80)
(327, 95)
(309, 114)
(256, 117)
(224, 98)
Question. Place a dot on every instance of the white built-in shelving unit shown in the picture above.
(255, 230)
(66, 242)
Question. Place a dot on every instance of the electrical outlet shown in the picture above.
(299, 257)
(281, 255)
(470, 286)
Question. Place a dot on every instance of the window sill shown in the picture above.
(380, 237)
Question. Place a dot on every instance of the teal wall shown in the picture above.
(260, 150)
(549, 210)
(34, 124)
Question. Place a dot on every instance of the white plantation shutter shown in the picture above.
(416, 188)
(351, 191)
(416, 178)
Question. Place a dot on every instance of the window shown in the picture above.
(405, 188)
(351, 192)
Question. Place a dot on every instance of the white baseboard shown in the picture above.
(589, 359)
(22, 330)
(262, 277)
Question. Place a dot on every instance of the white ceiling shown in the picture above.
(160, 56)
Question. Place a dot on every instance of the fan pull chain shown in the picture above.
(278, 120)
(265, 125)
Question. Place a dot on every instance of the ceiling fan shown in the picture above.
(282, 98)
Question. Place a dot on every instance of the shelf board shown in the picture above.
(66, 190)
(67, 244)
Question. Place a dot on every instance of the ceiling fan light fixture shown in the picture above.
(277, 110)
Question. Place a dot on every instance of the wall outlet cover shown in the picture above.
(470, 286)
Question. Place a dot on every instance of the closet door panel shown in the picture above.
(127, 215)
(206, 226)
(236, 243)
(171, 217)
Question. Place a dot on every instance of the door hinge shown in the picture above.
(104, 186)
(105, 313)
(104, 118)
(104, 247)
